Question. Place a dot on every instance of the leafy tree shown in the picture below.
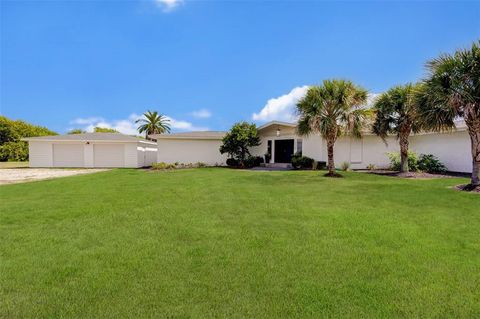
(98, 129)
(396, 112)
(332, 109)
(11, 133)
(452, 91)
(238, 140)
(76, 131)
(153, 123)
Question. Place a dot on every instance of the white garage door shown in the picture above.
(109, 155)
(68, 155)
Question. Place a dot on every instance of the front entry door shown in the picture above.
(283, 151)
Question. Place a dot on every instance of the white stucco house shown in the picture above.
(281, 141)
(91, 150)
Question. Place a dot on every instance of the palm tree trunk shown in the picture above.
(404, 153)
(474, 132)
(331, 162)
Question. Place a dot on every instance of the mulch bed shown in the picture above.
(411, 175)
(467, 188)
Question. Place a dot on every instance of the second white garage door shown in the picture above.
(109, 155)
(68, 155)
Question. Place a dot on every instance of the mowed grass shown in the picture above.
(204, 243)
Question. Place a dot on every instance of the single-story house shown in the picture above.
(280, 140)
(91, 150)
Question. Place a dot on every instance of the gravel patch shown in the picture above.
(21, 175)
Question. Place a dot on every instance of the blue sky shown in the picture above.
(208, 64)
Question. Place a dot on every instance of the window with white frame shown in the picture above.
(299, 146)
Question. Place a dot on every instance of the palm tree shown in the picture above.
(153, 123)
(396, 112)
(332, 109)
(452, 91)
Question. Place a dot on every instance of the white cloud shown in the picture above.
(201, 114)
(168, 5)
(281, 108)
(128, 125)
(371, 98)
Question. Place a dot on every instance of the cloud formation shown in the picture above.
(168, 5)
(201, 114)
(128, 125)
(281, 108)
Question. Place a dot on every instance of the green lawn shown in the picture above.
(229, 243)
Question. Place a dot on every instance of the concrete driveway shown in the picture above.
(20, 175)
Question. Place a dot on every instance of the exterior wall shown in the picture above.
(270, 133)
(88, 156)
(452, 149)
(146, 154)
(40, 154)
(190, 151)
(130, 155)
(151, 153)
(370, 150)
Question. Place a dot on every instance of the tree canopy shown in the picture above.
(153, 123)
(452, 91)
(239, 139)
(98, 129)
(11, 133)
(333, 108)
(396, 112)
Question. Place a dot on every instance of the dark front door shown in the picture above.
(283, 151)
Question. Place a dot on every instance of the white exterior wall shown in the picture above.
(146, 154)
(370, 150)
(190, 151)
(130, 155)
(88, 156)
(40, 154)
(452, 149)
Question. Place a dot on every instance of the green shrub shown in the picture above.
(430, 164)
(14, 151)
(11, 147)
(232, 162)
(319, 165)
(252, 161)
(345, 166)
(200, 164)
(163, 166)
(395, 161)
(302, 162)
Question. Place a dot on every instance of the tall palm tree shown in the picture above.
(153, 123)
(452, 91)
(396, 112)
(332, 109)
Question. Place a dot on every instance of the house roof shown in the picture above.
(278, 123)
(86, 137)
(200, 135)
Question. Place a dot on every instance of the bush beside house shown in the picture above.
(425, 163)
(237, 142)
